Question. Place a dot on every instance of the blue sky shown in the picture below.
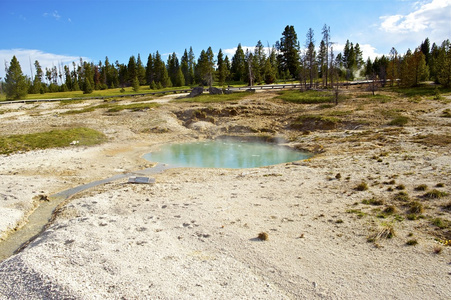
(62, 31)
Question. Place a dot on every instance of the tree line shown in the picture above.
(310, 63)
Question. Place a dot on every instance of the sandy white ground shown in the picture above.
(193, 235)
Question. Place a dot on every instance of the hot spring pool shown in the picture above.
(224, 154)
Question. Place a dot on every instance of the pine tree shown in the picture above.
(184, 65)
(37, 81)
(173, 66)
(289, 52)
(227, 67)
(191, 65)
(327, 43)
(259, 60)
(406, 76)
(311, 56)
(358, 57)
(87, 87)
(159, 68)
(88, 78)
(393, 66)
(131, 70)
(269, 72)
(135, 84)
(444, 60)
(425, 48)
(165, 79)
(222, 68)
(349, 60)
(15, 82)
(179, 78)
(68, 78)
(140, 71)
(205, 67)
(150, 70)
(238, 68)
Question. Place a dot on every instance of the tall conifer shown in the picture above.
(16, 86)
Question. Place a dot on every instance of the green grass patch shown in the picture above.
(51, 139)
(307, 97)
(373, 201)
(360, 214)
(79, 111)
(426, 90)
(435, 194)
(207, 98)
(378, 97)
(111, 107)
(339, 113)
(412, 242)
(132, 107)
(440, 223)
(399, 121)
(97, 93)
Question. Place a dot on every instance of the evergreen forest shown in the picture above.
(289, 59)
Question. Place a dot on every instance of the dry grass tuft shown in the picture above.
(263, 236)
(435, 194)
(363, 186)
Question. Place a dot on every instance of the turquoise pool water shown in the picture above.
(224, 154)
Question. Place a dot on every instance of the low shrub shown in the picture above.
(363, 186)
(435, 194)
(416, 207)
(399, 121)
(412, 242)
(421, 187)
(263, 236)
(401, 196)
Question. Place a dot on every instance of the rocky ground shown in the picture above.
(339, 225)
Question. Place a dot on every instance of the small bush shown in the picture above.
(399, 121)
(412, 242)
(402, 196)
(440, 223)
(391, 209)
(373, 201)
(363, 186)
(435, 194)
(401, 187)
(386, 232)
(440, 185)
(360, 214)
(421, 187)
(447, 206)
(416, 207)
(412, 217)
(438, 249)
(446, 113)
(263, 236)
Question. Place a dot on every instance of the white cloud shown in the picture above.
(46, 60)
(53, 14)
(431, 18)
